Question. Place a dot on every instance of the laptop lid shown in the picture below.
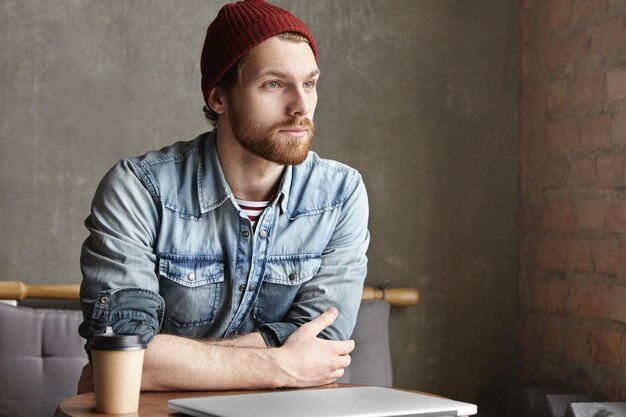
(324, 402)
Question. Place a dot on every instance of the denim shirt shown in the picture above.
(170, 251)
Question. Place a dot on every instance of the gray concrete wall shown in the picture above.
(419, 95)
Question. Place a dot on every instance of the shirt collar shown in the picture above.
(284, 188)
(213, 189)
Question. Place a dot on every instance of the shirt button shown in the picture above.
(252, 287)
(262, 234)
(242, 287)
(104, 299)
(293, 276)
(245, 233)
(191, 276)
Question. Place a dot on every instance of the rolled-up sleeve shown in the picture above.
(339, 280)
(120, 286)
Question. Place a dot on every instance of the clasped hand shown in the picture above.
(308, 360)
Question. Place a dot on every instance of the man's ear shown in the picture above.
(216, 101)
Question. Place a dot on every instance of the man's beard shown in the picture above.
(268, 143)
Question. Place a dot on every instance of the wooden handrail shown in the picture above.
(17, 290)
(397, 297)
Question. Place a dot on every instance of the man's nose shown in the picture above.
(299, 103)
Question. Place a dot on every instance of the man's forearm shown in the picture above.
(176, 363)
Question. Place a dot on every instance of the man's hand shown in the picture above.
(85, 382)
(306, 360)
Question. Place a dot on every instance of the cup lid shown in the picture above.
(118, 341)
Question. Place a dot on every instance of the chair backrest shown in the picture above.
(371, 358)
(41, 357)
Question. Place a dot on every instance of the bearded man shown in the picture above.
(239, 256)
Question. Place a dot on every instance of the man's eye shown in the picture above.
(272, 84)
(309, 85)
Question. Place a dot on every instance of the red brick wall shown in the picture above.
(572, 217)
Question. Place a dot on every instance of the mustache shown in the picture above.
(295, 123)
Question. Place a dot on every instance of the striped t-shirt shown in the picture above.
(253, 209)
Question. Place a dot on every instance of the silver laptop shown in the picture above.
(324, 402)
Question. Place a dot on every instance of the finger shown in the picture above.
(337, 374)
(341, 347)
(331, 378)
(322, 321)
(344, 361)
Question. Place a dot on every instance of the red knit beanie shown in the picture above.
(237, 29)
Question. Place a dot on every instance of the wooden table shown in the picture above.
(151, 404)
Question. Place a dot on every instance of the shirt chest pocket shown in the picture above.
(283, 278)
(191, 288)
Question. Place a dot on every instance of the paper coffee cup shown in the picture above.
(117, 362)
